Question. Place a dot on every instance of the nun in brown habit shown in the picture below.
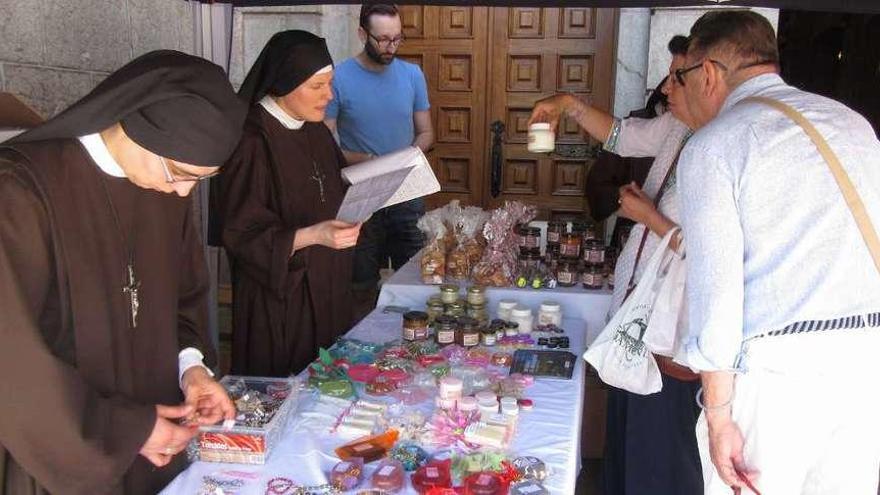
(103, 288)
(280, 191)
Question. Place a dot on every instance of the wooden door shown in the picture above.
(538, 52)
(485, 65)
(450, 43)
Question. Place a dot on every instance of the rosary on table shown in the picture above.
(285, 486)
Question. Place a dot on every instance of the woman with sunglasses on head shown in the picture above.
(650, 445)
(291, 261)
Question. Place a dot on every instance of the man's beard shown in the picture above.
(376, 56)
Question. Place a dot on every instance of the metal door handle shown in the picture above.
(497, 128)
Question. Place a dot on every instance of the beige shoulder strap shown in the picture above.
(853, 200)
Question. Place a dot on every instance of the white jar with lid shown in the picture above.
(504, 308)
(522, 315)
(541, 138)
(550, 314)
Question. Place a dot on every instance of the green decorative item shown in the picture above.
(521, 281)
(336, 388)
(328, 378)
(439, 370)
(463, 465)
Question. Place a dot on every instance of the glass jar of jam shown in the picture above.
(468, 333)
(570, 246)
(588, 232)
(594, 252)
(593, 277)
(476, 294)
(555, 229)
(449, 293)
(444, 329)
(415, 325)
(489, 336)
(528, 261)
(529, 238)
(435, 309)
(567, 274)
(455, 308)
(511, 329)
(478, 312)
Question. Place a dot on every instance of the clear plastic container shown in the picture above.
(244, 444)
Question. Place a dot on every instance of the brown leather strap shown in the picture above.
(646, 231)
(850, 195)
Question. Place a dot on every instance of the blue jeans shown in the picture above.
(390, 233)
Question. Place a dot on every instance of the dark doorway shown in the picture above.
(835, 55)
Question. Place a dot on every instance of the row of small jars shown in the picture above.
(449, 303)
(590, 276)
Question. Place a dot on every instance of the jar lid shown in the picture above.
(476, 289)
(449, 288)
(468, 323)
(456, 305)
(446, 320)
(512, 324)
(521, 310)
(484, 396)
(550, 306)
(477, 307)
(436, 304)
(415, 316)
(508, 402)
(540, 126)
(451, 383)
(507, 304)
(467, 404)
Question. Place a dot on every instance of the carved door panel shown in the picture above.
(450, 44)
(486, 66)
(537, 52)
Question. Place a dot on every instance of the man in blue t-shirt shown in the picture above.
(380, 105)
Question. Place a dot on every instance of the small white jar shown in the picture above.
(541, 138)
(550, 314)
(504, 308)
(522, 315)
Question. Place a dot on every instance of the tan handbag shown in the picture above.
(853, 200)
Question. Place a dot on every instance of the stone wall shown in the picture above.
(666, 22)
(53, 52)
(253, 26)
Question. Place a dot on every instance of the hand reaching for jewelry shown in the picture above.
(168, 438)
(208, 399)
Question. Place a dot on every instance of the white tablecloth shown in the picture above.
(405, 288)
(551, 431)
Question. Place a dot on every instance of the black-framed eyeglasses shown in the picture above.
(679, 73)
(385, 42)
(171, 178)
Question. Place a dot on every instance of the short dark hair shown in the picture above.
(678, 45)
(743, 34)
(369, 9)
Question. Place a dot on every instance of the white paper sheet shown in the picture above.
(384, 181)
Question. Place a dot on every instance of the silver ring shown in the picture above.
(620, 201)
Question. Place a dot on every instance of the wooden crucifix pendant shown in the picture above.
(130, 289)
